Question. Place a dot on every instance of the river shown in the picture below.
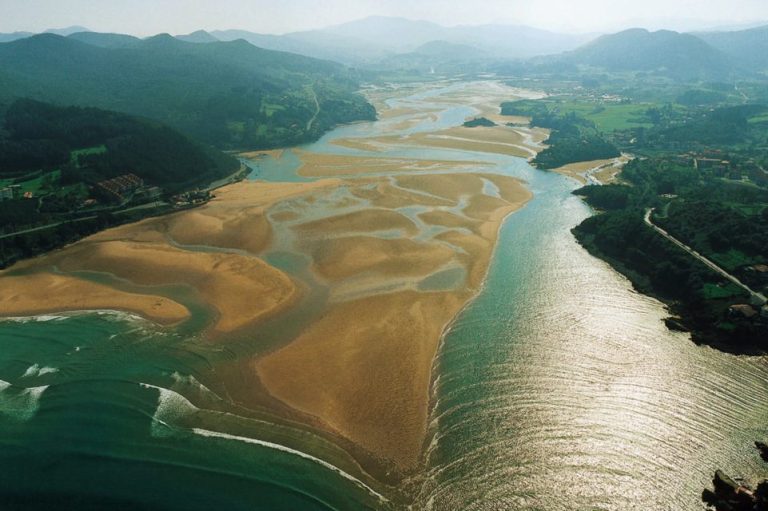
(558, 387)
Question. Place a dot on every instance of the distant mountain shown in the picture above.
(680, 56)
(230, 94)
(397, 35)
(104, 40)
(437, 57)
(201, 36)
(14, 36)
(66, 31)
(517, 42)
(317, 44)
(372, 40)
(446, 50)
(747, 47)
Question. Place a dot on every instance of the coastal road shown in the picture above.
(44, 227)
(707, 262)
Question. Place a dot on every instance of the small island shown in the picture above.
(479, 122)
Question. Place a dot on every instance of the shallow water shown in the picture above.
(559, 387)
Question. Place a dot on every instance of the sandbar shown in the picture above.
(41, 293)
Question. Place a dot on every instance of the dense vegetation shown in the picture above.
(58, 155)
(679, 56)
(479, 122)
(44, 137)
(725, 221)
(232, 95)
(573, 138)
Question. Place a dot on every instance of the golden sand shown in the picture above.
(449, 186)
(376, 352)
(46, 293)
(445, 219)
(385, 195)
(341, 258)
(321, 165)
(364, 370)
(365, 220)
(241, 289)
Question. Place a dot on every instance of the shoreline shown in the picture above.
(388, 304)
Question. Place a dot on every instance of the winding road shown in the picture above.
(707, 262)
(317, 109)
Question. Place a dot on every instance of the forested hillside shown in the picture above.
(232, 94)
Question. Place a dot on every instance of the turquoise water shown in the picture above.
(557, 388)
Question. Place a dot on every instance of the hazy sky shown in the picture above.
(146, 17)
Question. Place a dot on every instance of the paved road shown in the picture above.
(44, 227)
(149, 205)
(700, 257)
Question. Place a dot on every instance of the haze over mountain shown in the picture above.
(747, 47)
(681, 56)
(370, 39)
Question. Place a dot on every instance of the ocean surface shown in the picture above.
(558, 388)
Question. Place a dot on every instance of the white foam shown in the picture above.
(282, 448)
(19, 404)
(43, 318)
(190, 382)
(171, 406)
(36, 370)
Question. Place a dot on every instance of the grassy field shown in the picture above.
(733, 259)
(35, 184)
(713, 291)
(608, 116)
(88, 150)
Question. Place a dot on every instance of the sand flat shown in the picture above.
(242, 289)
(48, 293)
(361, 368)
(364, 220)
(341, 258)
(384, 194)
(449, 186)
(365, 368)
(322, 165)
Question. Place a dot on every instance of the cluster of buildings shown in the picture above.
(10, 192)
(719, 164)
(194, 197)
(14, 192)
(118, 187)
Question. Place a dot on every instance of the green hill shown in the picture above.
(89, 145)
(230, 94)
(679, 56)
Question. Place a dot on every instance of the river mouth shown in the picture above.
(557, 387)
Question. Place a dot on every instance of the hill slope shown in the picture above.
(43, 137)
(747, 47)
(680, 56)
(230, 94)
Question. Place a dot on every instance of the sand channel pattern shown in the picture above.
(398, 246)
